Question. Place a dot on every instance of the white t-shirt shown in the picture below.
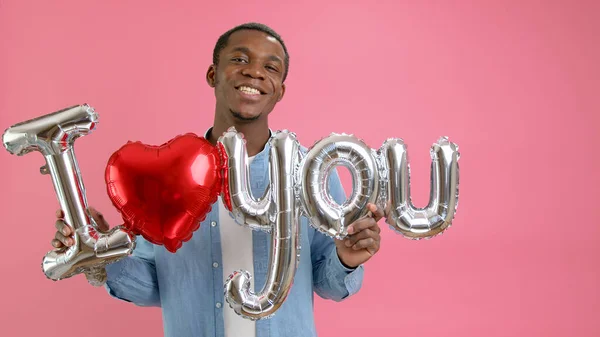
(236, 250)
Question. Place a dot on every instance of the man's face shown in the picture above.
(248, 80)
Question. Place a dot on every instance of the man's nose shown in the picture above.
(254, 70)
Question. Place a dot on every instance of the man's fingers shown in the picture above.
(361, 224)
(67, 241)
(367, 221)
(377, 212)
(59, 214)
(99, 218)
(369, 243)
(367, 233)
(56, 243)
(364, 233)
(63, 228)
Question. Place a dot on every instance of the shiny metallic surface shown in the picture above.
(54, 135)
(402, 216)
(285, 238)
(245, 209)
(324, 213)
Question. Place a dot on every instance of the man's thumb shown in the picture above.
(99, 218)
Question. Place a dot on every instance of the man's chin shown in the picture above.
(245, 117)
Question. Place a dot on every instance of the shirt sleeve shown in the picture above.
(133, 279)
(331, 279)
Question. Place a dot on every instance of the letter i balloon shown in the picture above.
(54, 135)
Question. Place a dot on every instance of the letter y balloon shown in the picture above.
(276, 209)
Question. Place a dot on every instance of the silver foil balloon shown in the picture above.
(285, 234)
(54, 135)
(245, 209)
(324, 213)
(402, 216)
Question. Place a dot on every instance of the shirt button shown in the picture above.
(215, 264)
(213, 223)
(218, 305)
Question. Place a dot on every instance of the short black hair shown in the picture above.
(223, 39)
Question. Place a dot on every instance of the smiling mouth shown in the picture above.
(249, 90)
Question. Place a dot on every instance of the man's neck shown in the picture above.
(256, 134)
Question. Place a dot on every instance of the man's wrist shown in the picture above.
(350, 268)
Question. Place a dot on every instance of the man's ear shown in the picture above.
(210, 76)
(282, 92)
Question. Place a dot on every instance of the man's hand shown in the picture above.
(64, 233)
(363, 240)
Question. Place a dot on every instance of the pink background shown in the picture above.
(514, 83)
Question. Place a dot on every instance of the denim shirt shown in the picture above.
(188, 284)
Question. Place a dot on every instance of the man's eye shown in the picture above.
(238, 59)
(272, 68)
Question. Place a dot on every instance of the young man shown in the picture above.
(250, 64)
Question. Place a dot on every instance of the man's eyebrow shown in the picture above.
(275, 58)
(245, 50)
(241, 49)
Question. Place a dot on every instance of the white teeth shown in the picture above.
(248, 90)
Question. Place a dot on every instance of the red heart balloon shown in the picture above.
(164, 192)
